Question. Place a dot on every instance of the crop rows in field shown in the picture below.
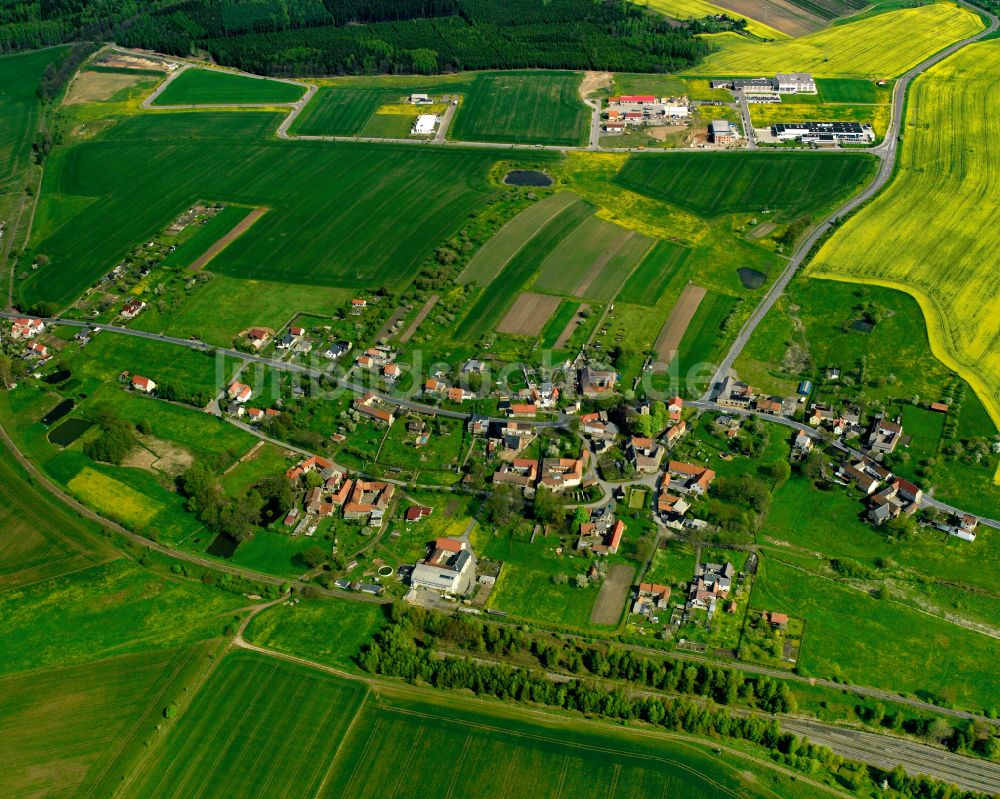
(523, 107)
(789, 183)
(933, 231)
(258, 727)
(337, 112)
(215, 87)
(62, 730)
(649, 281)
(593, 261)
(883, 46)
(348, 215)
(487, 311)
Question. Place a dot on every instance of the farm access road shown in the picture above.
(887, 153)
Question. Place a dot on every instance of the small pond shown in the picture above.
(69, 431)
(58, 412)
(751, 278)
(527, 177)
(223, 546)
(57, 377)
(862, 325)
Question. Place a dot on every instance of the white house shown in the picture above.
(425, 124)
(450, 567)
(795, 82)
(143, 384)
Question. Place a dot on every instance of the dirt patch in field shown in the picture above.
(571, 326)
(159, 456)
(778, 14)
(669, 340)
(761, 230)
(608, 607)
(664, 132)
(528, 315)
(134, 62)
(594, 81)
(229, 238)
(419, 318)
(249, 456)
(89, 87)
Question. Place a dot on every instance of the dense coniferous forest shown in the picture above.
(312, 37)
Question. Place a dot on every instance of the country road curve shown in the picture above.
(887, 153)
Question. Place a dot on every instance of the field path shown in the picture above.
(241, 227)
(669, 340)
(887, 153)
(419, 318)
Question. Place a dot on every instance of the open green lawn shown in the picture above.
(523, 107)
(917, 654)
(274, 553)
(215, 87)
(328, 630)
(673, 565)
(791, 184)
(258, 725)
(328, 222)
(850, 90)
(71, 731)
(337, 112)
(647, 283)
(19, 104)
(592, 261)
(111, 609)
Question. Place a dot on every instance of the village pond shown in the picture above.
(527, 177)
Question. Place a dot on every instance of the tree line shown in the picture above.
(405, 649)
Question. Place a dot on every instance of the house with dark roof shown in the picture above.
(884, 434)
(520, 472)
(644, 454)
(689, 478)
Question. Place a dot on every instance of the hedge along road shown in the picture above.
(887, 153)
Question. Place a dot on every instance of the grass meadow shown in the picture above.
(918, 653)
(329, 630)
(337, 112)
(73, 731)
(792, 184)
(945, 260)
(647, 283)
(259, 726)
(19, 105)
(327, 223)
(524, 108)
(111, 609)
(883, 46)
(215, 87)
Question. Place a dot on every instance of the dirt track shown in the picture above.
(428, 307)
(229, 238)
(528, 315)
(571, 327)
(669, 340)
(611, 600)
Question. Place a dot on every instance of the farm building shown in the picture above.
(26, 328)
(143, 384)
(795, 83)
(723, 132)
(420, 99)
(425, 124)
(239, 392)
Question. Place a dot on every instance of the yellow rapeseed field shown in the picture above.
(882, 46)
(113, 498)
(934, 231)
(686, 9)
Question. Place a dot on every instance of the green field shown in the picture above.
(791, 184)
(647, 283)
(258, 725)
(703, 341)
(945, 261)
(593, 261)
(883, 46)
(330, 630)
(524, 108)
(487, 311)
(112, 609)
(337, 112)
(70, 731)
(497, 252)
(327, 223)
(215, 87)
(206, 235)
(555, 326)
(19, 105)
(919, 654)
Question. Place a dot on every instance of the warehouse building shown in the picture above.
(425, 124)
(824, 132)
(795, 83)
(723, 132)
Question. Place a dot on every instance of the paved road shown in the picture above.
(820, 435)
(594, 141)
(887, 152)
(357, 388)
